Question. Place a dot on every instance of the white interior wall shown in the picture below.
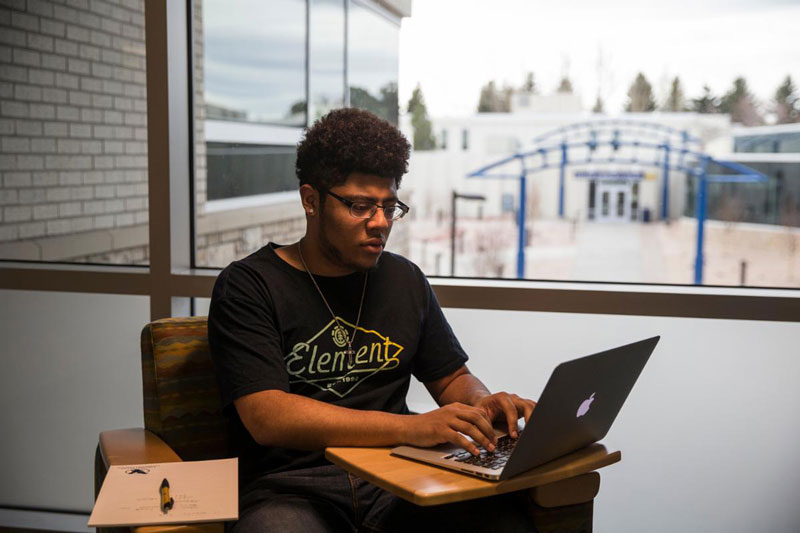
(71, 368)
(708, 436)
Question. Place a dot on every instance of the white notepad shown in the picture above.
(203, 491)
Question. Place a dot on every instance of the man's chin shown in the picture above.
(366, 263)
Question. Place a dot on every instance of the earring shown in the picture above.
(310, 211)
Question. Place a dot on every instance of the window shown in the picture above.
(254, 61)
(601, 183)
(777, 143)
(326, 56)
(777, 203)
(372, 60)
(248, 169)
(253, 77)
(67, 297)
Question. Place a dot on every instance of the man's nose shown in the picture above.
(378, 219)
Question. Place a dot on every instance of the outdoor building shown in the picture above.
(774, 151)
(491, 137)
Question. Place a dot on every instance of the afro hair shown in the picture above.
(350, 140)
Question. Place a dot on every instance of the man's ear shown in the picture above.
(309, 197)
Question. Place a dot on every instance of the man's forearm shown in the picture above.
(277, 418)
(463, 388)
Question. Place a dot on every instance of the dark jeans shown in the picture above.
(327, 498)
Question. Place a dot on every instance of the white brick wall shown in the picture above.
(72, 117)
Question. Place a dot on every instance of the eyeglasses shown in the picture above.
(368, 210)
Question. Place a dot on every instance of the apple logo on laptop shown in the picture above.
(585, 405)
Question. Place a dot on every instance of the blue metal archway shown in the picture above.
(617, 141)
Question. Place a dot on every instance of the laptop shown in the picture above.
(577, 407)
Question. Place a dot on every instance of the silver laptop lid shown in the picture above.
(579, 403)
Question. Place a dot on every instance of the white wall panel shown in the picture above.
(71, 368)
(709, 435)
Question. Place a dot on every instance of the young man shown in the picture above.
(315, 342)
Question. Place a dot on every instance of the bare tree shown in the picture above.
(605, 81)
(494, 100)
(790, 219)
(532, 209)
(730, 211)
(491, 246)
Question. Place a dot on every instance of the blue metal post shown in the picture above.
(665, 189)
(700, 210)
(521, 225)
(561, 180)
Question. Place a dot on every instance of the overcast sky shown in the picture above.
(453, 47)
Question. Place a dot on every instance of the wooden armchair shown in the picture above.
(183, 421)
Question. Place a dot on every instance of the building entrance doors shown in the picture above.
(613, 201)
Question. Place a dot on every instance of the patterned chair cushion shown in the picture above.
(181, 397)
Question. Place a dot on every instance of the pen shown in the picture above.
(166, 501)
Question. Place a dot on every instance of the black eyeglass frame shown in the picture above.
(402, 208)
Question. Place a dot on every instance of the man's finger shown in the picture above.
(478, 418)
(462, 442)
(475, 433)
(510, 410)
(528, 407)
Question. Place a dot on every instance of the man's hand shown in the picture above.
(508, 406)
(449, 424)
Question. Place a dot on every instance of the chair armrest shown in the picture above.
(128, 446)
(140, 446)
(135, 445)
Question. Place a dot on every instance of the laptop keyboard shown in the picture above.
(493, 460)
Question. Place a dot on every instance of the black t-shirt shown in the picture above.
(270, 329)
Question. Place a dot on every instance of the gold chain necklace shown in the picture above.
(340, 330)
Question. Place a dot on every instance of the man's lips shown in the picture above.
(374, 245)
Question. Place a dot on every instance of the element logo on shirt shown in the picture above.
(322, 360)
(340, 336)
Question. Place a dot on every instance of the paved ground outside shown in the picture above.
(757, 255)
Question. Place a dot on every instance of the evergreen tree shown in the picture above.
(385, 106)
(504, 105)
(640, 96)
(740, 104)
(565, 86)
(787, 103)
(675, 100)
(598, 105)
(487, 98)
(708, 103)
(423, 129)
(530, 85)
